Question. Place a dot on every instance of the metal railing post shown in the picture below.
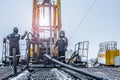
(14, 61)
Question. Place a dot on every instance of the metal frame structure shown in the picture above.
(81, 51)
(40, 9)
(36, 45)
(111, 45)
(5, 51)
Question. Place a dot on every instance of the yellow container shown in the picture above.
(110, 56)
(107, 57)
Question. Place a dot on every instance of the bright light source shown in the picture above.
(44, 16)
(44, 22)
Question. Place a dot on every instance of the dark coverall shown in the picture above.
(62, 44)
(14, 43)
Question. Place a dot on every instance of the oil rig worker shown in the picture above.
(61, 45)
(14, 43)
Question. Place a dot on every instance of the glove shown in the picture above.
(24, 35)
(4, 40)
(25, 32)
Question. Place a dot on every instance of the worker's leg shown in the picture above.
(59, 55)
(63, 56)
(18, 53)
(10, 54)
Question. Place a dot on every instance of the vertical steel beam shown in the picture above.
(59, 15)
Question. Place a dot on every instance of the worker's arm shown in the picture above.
(8, 36)
(56, 44)
(5, 39)
(24, 35)
(66, 41)
(18, 37)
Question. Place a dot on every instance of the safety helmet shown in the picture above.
(15, 30)
(62, 33)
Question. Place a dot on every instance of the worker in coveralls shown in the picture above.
(62, 44)
(14, 43)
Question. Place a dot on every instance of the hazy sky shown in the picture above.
(101, 24)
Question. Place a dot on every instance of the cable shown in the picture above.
(83, 19)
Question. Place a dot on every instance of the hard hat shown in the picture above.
(15, 29)
(62, 32)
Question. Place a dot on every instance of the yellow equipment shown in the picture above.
(107, 53)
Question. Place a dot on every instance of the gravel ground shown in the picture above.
(6, 71)
(113, 73)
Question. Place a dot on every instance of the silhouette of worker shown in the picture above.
(14, 43)
(62, 44)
